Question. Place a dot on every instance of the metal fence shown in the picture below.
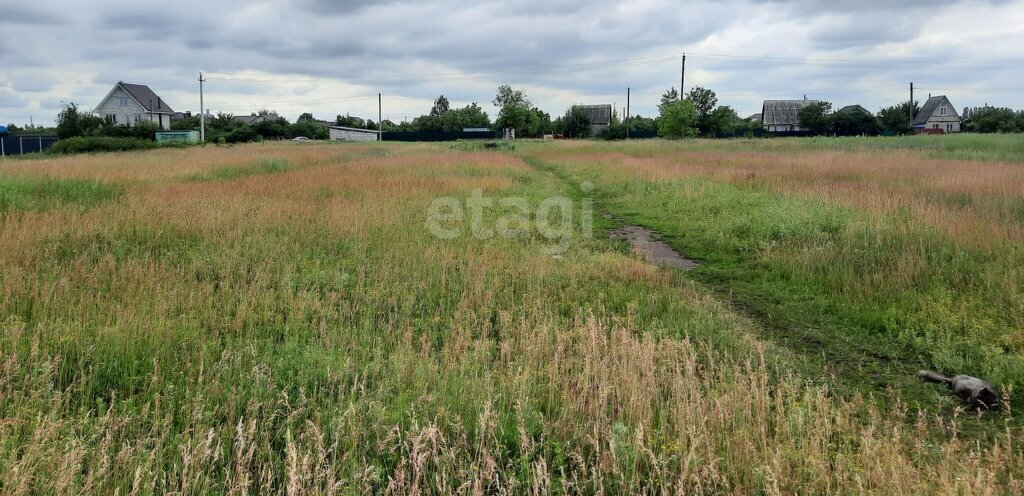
(20, 145)
(438, 135)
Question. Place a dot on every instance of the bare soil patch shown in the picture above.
(647, 243)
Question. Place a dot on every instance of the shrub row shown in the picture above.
(91, 144)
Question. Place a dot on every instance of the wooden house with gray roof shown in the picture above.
(937, 116)
(782, 116)
(598, 116)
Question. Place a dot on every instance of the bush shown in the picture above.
(106, 144)
(615, 131)
(145, 130)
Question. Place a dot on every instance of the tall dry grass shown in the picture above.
(300, 332)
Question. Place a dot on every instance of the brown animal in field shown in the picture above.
(976, 392)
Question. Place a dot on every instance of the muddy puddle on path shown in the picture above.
(646, 243)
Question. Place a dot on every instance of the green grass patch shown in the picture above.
(260, 167)
(36, 193)
(869, 299)
(965, 146)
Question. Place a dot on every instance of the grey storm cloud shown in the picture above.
(332, 53)
(22, 14)
(815, 7)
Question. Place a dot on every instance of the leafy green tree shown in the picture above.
(854, 122)
(30, 129)
(427, 123)
(190, 123)
(350, 121)
(668, 98)
(995, 120)
(722, 120)
(469, 116)
(273, 128)
(538, 123)
(896, 119)
(704, 101)
(638, 123)
(240, 132)
(508, 96)
(441, 106)
(528, 122)
(71, 122)
(518, 112)
(678, 120)
(816, 117)
(306, 116)
(308, 128)
(574, 124)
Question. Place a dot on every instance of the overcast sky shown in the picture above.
(333, 57)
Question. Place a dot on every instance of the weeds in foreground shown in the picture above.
(302, 332)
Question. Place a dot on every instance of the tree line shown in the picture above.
(696, 114)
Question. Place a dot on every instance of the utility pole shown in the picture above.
(626, 120)
(380, 121)
(911, 106)
(202, 111)
(682, 77)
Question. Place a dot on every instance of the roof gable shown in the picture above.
(783, 112)
(597, 114)
(933, 105)
(854, 108)
(146, 97)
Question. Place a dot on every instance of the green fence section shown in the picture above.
(186, 136)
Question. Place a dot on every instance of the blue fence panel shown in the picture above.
(20, 145)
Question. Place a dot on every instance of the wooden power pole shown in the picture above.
(912, 106)
(626, 120)
(682, 77)
(202, 111)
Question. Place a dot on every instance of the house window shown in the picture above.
(942, 110)
(949, 128)
(122, 101)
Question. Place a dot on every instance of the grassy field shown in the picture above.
(281, 318)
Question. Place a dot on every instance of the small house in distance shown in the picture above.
(598, 116)
(782, 116)
(854, 120)
(134, 103)
(937, 116)
(858, 109)
(339, 133)
(255, 118)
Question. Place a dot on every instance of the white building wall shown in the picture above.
(337, 134)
